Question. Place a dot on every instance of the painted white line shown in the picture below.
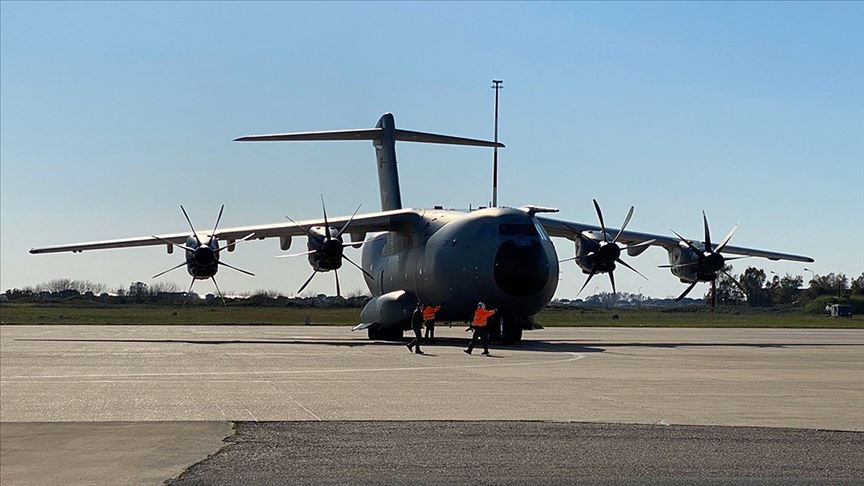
(573, 357)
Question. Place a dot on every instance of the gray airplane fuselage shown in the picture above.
(500, 256)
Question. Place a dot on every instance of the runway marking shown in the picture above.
(573, 357)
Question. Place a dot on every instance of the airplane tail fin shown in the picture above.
(383, 137)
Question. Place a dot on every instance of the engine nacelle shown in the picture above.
(595, 256)
(326, 248)
(203, 262)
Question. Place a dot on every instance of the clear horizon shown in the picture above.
(114, 114)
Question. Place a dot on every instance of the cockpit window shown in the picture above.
(517, 229)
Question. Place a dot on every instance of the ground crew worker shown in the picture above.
(417, 326)
(481, 331)
(429, 321)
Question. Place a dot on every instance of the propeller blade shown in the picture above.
(345, 227)
(326, 224)
(171, 242)
(622, 262)
(229, 245)
(600, 216)
(713, 294)
(736, 282)
(235, 268)
(726, 240)
(358, 267)
(338, 290)
(686, 291)
(587, 255)
(190, 287)
(729, 259)
(307, 281)
(590, 275)
(297, 254)
(612, 279)
(218, 290)
(707, 233)
(626, 221)
(198, 240)
(166, 271)
(640, 244)
(689, 243)
(680, 265)
(305, 230)
(218, 218)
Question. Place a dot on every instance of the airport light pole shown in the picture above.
(812, 274)
(497, 85)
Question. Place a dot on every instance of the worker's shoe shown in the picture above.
(466, 351)
(410, 348)
(485, 353)
(420, 352)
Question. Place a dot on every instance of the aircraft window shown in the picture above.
(517, 229)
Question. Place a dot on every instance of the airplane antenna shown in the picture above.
(497, 85)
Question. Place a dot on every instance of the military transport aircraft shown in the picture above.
(501, 256)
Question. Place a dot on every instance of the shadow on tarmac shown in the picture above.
(547, 346)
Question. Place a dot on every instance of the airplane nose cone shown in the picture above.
(521, 270)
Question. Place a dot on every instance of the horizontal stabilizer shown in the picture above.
(409, 136)
(362, 134)
(368, 134)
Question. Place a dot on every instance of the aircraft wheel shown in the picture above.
(493, 327)
(379, 333)
(375, 332)
(394, 333)
(512, 331)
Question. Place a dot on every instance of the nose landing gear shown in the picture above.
(507, 328)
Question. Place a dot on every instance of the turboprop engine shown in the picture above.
(326, 249)
(597, 254)
(202, 254)
(692, 264)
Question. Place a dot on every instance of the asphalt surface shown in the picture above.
(527, 453)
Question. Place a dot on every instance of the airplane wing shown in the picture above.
(362, 223)
(569, 230)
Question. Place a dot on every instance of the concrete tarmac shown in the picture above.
(809, 379)
(745, 377)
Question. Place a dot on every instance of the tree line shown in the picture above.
(757, 290)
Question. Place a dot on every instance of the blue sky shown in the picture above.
(113, 114)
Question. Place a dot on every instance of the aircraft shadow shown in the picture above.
(560, 347)
(549, 345)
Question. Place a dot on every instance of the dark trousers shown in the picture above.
(415, 343)
(430, 330)
(480, 334)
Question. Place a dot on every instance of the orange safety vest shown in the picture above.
(480, 317)
(429, 312)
